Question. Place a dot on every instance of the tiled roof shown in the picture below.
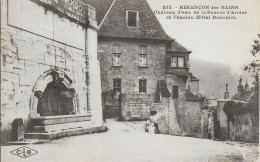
(114, 24)
(192, 97)
(101, 6)
(234, 107)
(244, 96)
(193, 77)
(238, 105)
(176, 47)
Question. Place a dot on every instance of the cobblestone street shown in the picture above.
(127, 141)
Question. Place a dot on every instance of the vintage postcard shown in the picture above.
(130, 80)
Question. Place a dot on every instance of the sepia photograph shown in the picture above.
(130, 80)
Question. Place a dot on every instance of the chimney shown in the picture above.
(226, 95)
(246, 86)
(240, 86)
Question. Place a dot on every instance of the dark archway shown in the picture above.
(56, 99)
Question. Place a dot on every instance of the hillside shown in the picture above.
(213, 77)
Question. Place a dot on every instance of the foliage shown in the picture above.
(237, 108)
(254, 66)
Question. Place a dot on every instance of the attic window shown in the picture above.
(132, 18)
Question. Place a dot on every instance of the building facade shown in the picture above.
(143, 68)
(49, 68)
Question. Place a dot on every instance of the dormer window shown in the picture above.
(132, 18)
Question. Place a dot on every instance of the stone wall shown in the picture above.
(189, 118)
(204, 123)
(194, 86)
(162, 110)
(222, 118)
(135, 107)
(35, 40)
(242, 128)
(185, 116)
(129, 72)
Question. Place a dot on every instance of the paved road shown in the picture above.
(126, 141)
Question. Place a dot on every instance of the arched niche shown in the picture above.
(59, 81)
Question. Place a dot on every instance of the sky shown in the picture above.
(223, 41)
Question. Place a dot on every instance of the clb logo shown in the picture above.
(24, 152)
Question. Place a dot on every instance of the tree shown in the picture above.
(254, 66)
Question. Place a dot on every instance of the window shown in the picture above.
(117, 49)
(175, 92)
(181, 62)
(142, 85)
(177, 62)
(142, 50)
(174, 61)
(117, 55)
(117, 85)
(142, 56)
(132, 18)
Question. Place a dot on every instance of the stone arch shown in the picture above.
(41, 84)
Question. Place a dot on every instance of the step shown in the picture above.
(60, 119)
(28, 141)
(60, 127)
(65, 133)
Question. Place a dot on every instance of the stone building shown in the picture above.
(143, 68)
(49, 68)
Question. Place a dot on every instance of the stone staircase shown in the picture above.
(53, 127)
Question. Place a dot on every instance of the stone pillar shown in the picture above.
(94, 78)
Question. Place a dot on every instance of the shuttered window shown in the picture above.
(117, 85)
(117, 53)
(142, 56)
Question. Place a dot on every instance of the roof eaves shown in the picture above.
(179, 51)
(160, 23)
(137, 37)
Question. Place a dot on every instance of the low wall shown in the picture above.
(136, 106)
(189, 117)
(222, 118)
(162, 110)
(242, 128)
